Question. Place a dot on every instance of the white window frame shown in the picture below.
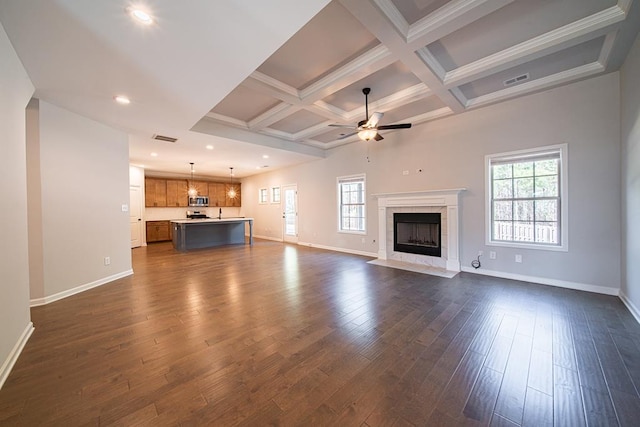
(562, 150)
(263, 196)
(351, 179)
(272, 195)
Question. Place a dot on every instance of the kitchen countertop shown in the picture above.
(210, 220)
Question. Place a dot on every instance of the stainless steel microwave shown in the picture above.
(199, 201)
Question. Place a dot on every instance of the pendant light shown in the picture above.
(232, 191)
(193, 191)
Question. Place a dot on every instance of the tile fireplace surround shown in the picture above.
(440, 201)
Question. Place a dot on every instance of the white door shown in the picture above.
(289, 203)
(135, 215)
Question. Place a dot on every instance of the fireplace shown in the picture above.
(417, 233)
(442, 203)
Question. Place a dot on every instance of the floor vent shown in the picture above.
(164, 138)
(518, 79)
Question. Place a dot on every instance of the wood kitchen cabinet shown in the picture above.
(167, 192)
(158, 231)
(201, 186)
(177, 193)
(236, 201)
(217, 195)
(155, 192)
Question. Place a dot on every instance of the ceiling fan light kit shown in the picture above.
(368, 128)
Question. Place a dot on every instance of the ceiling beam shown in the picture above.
(373, 18)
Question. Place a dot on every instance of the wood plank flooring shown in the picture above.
(279, 334)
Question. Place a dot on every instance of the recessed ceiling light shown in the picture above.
(265, 156)
(121, 99)
(209, 147)
(154, 154)
(140, 15)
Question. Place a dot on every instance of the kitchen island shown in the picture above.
(208, 232)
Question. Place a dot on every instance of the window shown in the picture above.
(262, 196)
(351, 198)
(275, 194)
(526, 203)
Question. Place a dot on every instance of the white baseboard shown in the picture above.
(275, 239)
(60, 295)
(545, 281)
(347, 251)
(7, 365)
(631, 306)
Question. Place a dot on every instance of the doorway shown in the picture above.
(290, 213)
(135, 215)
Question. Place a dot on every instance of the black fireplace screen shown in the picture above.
(417, 233)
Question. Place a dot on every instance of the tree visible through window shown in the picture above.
(526, 197)
(351, 196)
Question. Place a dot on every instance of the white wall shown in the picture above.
(15, 91)
(84, 173)
(451, 151)
(630, 123)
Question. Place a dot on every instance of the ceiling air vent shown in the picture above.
(518, 79)
(164, 138)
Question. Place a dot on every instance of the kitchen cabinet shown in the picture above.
(236, 201)
(155, 192)
(167, 192)
(201, 186)
(177, 193)
(158, 231)
(217, 197)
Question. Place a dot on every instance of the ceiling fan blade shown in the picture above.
(398, 126)
(341, 126)
(347, 135)
(378, 137)
(373, 120)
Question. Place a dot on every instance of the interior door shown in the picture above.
(289, 204)
(135, 215)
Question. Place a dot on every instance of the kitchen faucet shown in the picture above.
(220, 214)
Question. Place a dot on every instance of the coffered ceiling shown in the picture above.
(422, 59)
(261, 81)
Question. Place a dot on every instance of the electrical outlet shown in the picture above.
(107, 260)
(364, 240)
(492, 255)
(518, 258)
(479, 253)
(405, 172)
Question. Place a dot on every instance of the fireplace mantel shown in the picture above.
(448, 199)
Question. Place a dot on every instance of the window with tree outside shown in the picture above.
(351, 204)
(527, 201)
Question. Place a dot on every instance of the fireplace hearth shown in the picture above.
(417, 233)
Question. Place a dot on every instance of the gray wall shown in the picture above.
(450, 151)
(84, 181)
(630, 89)
(15, 91)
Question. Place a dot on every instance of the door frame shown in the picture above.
(141, 229)
(288, 238)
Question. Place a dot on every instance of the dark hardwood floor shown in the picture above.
(279, 334)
